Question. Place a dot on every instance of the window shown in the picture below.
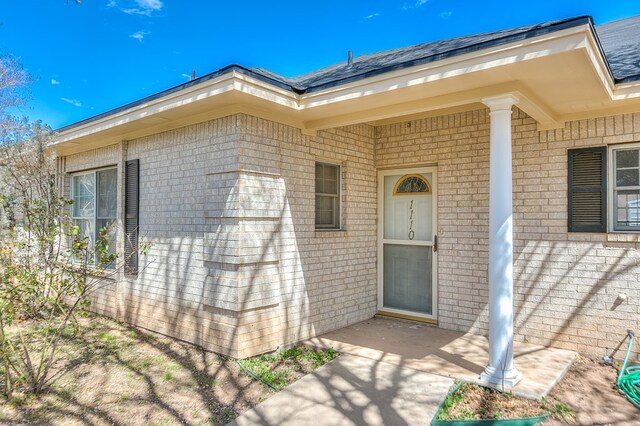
(412, 184)
(327, 196)
(94, 207)
(626, 189)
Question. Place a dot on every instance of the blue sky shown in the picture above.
(86, 59)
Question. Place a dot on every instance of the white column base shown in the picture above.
(498, 377)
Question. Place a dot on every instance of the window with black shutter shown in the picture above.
(94, 208)
(131, 215)
(588, 190)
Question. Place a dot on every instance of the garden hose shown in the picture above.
(255, 376)
(629, 378)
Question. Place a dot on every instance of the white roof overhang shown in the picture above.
(557, 77)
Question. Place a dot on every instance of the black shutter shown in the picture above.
(131, 214)
(588, 190)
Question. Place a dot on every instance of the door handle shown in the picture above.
(435, 243)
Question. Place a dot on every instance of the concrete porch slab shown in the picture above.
(353, 390)
(429, 349)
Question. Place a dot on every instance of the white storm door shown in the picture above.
(408, 242)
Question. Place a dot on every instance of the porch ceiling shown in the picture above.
(557, 77)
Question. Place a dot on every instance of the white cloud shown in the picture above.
(373, 15)
(445, 15)
(145, 7)
(139, 35)
(73, 102)
(187, 76)
(150, 4)
(54, 82)
(112, 3)
(413, 5)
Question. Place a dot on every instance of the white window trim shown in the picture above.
(340, 200)
(611, 187)
(95, 201)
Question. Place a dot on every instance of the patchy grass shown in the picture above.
(560, 411)
(473, 402)
(281, 368)
(111, 374)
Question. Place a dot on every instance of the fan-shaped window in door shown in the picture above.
(412, 184)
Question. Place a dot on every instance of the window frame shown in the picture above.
(95, 218)
(338, 197)
(612, 187)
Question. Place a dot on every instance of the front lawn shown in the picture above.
(111, 374)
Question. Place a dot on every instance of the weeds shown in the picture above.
(560, 411)
(276, 369)
(472, 402)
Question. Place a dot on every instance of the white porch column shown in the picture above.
(500, 370)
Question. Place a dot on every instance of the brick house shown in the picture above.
(487, 183)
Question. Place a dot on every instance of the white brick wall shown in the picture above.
(565, 283)
(235, 263)
(328, 278)
(238, 267)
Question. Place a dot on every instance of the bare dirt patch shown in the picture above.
(111, 374)
(587, 395)
(473, 402)
(589, 389)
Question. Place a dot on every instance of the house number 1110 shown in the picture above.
(411, 233)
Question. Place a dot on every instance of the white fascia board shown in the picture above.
(599, 64)
(542, 46)
(230, 82)
(537, 47)
(216, 86)
(255, 87)
(626, 91)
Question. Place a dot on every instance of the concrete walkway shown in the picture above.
(354, 390)
(429, 349)
(395, 372)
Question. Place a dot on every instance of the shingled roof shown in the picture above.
(620, 41)
(368, 65)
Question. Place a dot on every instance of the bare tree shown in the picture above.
(13, 81)
(48, 268)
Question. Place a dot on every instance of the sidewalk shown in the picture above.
(395, 372)
(353, 390)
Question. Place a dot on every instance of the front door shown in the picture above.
(408, 243)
